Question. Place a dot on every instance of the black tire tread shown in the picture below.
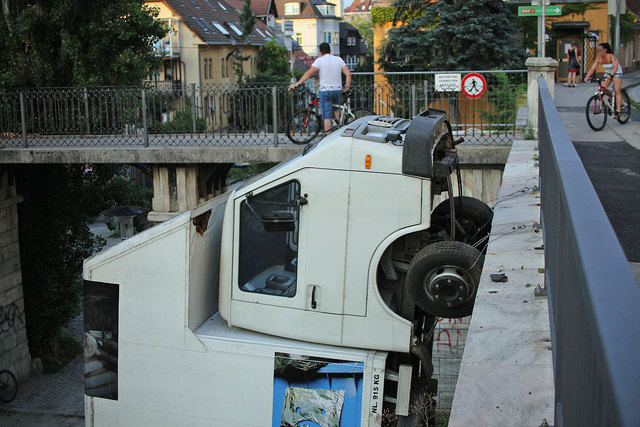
(15, 390)
(306, 140)
(625, 97)
(591, 125)
(445, 251)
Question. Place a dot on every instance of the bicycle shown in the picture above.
(602, 104)
(8, 386)
(305, 125)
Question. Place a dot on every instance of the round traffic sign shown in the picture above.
(474, 85)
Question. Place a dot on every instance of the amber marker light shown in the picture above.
(367, 161)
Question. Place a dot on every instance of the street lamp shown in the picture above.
(125, 215)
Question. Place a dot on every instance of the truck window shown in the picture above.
(268, 252)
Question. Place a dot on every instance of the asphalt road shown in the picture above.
(611, 158)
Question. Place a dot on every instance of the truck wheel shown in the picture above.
(476, 219)
(443, 278)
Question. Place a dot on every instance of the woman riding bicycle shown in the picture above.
(612, 71)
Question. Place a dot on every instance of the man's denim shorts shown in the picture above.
(327, 99)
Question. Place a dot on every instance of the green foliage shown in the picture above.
(247, 24)
(503, 94)
(247, 19)
(238, 173)
(365, 27)
(273, 59)
(277, 79)
(69, 42)
(627, 30)
(60, 201)
(577, 8)
(380, 15)
(181, 122)
(453, 35)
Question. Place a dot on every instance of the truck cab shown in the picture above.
(320, 247)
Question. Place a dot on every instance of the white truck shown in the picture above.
(307, 296)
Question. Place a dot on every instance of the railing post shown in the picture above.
(86, 110)
(274, 99)
(25, 143)
(193, 107)
(413, 100)
(426, 94)
(144, 117)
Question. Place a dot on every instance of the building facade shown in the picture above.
(352, 48)
(202, 35)
(314, 22)
(357, 10)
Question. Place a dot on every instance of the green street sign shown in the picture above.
(537, 11)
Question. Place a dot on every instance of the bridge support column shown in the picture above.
(178, 188)
(545, 67)
(14, 348)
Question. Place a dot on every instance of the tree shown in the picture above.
(66, 43)
(60, 201)
(274, 60)
(72, 43)
(365, 27)
(452, 35)
(247, 24)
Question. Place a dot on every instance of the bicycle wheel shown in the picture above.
(625, 109)
(8, 386)
(303, 127)
(596, 113)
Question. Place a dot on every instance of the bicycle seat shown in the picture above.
(348, 94)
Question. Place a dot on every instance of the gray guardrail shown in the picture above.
(594, 300)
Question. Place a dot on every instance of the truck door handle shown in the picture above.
(314, 304)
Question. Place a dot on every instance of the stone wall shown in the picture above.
(14, 349)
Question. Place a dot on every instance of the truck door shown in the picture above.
(292, 242)
(323, 238)
(267, 245)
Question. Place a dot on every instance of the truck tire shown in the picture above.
(476, 220)
(443, 278)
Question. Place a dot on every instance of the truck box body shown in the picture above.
(177, 362)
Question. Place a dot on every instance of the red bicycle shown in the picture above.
(305, 125)
(603, 104)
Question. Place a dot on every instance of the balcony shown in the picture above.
(169, 45)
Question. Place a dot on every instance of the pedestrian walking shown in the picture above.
(612, 72)
(329, 69)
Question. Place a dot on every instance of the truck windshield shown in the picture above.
(268, 252)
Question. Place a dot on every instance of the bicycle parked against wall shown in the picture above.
(305, 125)
(602, 105)
(8, 386)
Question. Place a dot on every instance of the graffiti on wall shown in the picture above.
(8, 316)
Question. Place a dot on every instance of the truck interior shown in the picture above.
(268, 253)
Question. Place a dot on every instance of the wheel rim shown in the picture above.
(449, 286)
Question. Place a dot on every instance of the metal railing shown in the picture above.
(594, 299)
(172, 113)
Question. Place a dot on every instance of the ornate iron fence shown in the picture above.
(171, 113)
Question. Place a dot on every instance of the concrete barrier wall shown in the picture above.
(14, 349)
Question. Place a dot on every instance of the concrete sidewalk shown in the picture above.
(611, 158)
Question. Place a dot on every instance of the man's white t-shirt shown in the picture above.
(330, 70)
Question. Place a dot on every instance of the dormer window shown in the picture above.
(292, 8)
(326, 9)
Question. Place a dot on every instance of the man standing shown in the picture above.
(330, 69)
